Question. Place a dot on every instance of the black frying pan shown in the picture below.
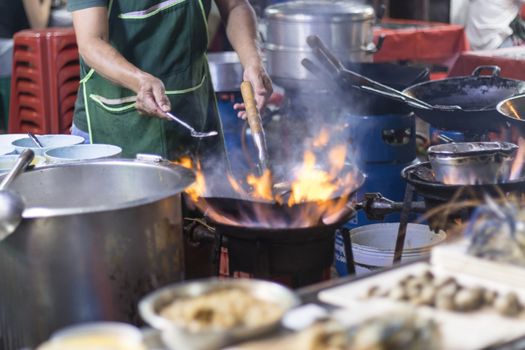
(240, 210)
(462, 103)
(477, 95)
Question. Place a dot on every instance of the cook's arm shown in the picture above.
(91, 27)
(37, 12)
(241, 28)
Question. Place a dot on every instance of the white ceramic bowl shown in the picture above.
(97, 335)
(6, 149)
(78, 153)
(7, 139)
(8, 161)
(48, 141)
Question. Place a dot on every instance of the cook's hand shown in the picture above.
(262, 87)
(151, 97)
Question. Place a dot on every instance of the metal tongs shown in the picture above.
(347, 79)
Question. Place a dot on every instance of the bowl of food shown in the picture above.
(97, 335)
(211, 313)
(48, 141)
(78, 153)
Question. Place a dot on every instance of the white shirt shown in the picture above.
(488, 22)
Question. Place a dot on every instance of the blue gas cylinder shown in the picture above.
(382, 146)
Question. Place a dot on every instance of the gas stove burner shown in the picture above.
(424, 181)
(295, 257)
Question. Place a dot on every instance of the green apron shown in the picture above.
(167, 39)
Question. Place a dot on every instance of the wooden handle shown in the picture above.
(252, 114)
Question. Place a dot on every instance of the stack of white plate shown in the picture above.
(373, 246)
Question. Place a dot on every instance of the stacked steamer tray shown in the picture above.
(460, 330)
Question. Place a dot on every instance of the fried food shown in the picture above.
(222, 310)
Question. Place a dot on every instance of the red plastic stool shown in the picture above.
(64, 77)
(29, 93)
(46, 75)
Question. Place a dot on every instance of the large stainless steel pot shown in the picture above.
(96, 237)
(344, 26)
(226, 71)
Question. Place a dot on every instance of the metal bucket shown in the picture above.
(96, 237)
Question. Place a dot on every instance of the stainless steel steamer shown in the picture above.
(345, 26)
(96, 237)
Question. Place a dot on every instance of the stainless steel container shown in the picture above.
(96, 236)
(179, 337)
(344, 26)
(471, 163)
(226, 71)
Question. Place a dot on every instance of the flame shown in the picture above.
(322, 139)
(198, 188)
(517, 165)
(311, 184)
(317, 190)
(513, 111)
(262, 186)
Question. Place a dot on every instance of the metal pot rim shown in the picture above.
(187, 178)
(292, 11)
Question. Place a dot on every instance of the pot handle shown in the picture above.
(495, 71)
(380, 11)
(372, 48)
(149, 158)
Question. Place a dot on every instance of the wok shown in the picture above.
(258, 214)
(461, 104)
(513, 110)
(477, 95)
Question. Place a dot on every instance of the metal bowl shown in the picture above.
(78, 153)
(472, 163)
(177, 337)
(514, 110)
(48, 141)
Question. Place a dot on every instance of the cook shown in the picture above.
(143, 58)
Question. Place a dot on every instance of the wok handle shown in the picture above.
(397, 96)
(252, 114)
(495, 71)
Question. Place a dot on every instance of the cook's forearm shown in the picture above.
(241, 28)
(109, 63)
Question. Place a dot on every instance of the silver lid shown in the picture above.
(471, 148)
(318, 10)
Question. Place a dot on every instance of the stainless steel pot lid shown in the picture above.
(98, 185)
(320, 11)
(461, 149)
